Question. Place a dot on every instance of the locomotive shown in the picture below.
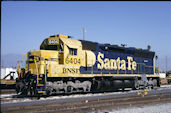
(65, 65)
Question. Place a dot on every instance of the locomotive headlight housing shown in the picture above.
(41, 75)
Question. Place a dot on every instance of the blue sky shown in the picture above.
(24, 25)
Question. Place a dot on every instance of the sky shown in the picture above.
(24, 25)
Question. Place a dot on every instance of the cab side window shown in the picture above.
(61, 48)
(72, 51)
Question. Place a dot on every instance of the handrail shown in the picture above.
(37, 71)
(45, 69)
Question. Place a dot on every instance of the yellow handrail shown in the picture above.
(37, 71)
(45, 69)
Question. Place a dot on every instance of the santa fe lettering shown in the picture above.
(114, 64)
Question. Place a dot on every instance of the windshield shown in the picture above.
(51, 47)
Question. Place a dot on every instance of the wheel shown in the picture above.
(24, 92)
(150, 84)
(136, 84)
(69, 89)
(88, 88)
(95, 86)
(48, 91)
(154, 84)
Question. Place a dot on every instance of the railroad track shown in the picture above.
(92, 104)
(7, 91)
(10, 97)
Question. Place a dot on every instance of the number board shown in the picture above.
(52, 42)
(73, 61)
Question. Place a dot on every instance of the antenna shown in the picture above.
(83, 33)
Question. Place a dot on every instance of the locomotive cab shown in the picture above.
(58, 56)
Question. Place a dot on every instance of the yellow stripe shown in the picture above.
(41, 91)
(40, 84)
(101, 75)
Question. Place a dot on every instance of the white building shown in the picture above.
(6, 71)
(162, 75)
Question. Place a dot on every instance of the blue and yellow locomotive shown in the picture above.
(65, 65)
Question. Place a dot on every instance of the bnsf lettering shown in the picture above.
(70, 70)
(114, 64)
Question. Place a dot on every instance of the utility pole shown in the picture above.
(166, 63)
(83, 33)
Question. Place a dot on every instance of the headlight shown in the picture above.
(41, 76)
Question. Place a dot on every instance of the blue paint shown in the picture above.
(145, 68)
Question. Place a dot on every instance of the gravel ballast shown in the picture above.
(159, 108)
